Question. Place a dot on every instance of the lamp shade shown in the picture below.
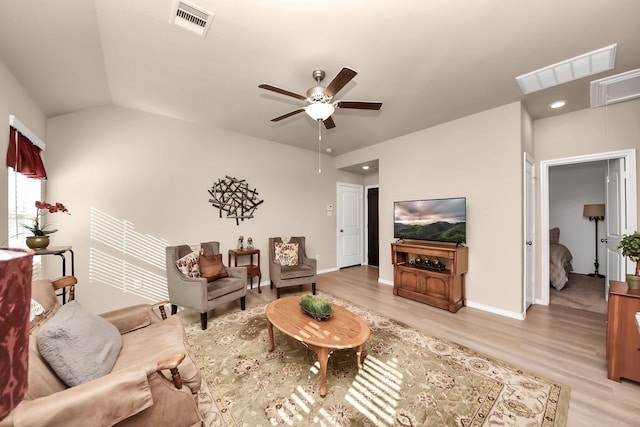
(320, 110)
(593, 211)
(15, 306)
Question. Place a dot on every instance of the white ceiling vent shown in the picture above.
(568, 70)
(618, 88)
(191, 17)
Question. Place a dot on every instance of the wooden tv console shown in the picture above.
(419, 281)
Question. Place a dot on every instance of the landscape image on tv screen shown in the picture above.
(438, 220)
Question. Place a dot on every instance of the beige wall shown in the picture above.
(144, 170)
(586, 132)
(14, 100)
(527, 132)
(155, 173)
(478, 157)
(371, 179)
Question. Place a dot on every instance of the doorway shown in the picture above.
(578, 249)
(626, 204)
(373, 242)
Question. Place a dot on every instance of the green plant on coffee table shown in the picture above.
(630, 245)
(318, 309)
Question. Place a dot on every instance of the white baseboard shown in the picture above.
(494, 310)
(385, 281)
(471, 304)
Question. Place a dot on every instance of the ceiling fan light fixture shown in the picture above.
(320, 110)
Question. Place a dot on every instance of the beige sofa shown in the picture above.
(145, 386)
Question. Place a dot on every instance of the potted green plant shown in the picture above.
(318, 309)
(630, 245)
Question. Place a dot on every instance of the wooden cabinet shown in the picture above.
(623, 337)
(430, 273)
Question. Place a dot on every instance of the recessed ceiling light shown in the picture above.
(558, 104)
(568, 70)
(365, 167)
(329, 150)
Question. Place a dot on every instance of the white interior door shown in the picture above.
(349, 208)
(614, 220)
(529, 232)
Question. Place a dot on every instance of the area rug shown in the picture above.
(409, 378)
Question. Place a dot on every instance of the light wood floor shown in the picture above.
(564, 344)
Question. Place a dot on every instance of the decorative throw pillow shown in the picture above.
(211, 267)
(554, 236)
(188, 265)
(36, 309)
(78, 345)
(287, 253)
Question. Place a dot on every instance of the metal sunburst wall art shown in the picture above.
(233, 196)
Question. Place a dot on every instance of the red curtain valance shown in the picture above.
(24, 157)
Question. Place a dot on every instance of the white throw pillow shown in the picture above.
(286, 253)
(188, 264)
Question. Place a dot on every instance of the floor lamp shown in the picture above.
(595, 213)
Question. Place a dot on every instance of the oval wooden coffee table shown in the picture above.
(343, 330)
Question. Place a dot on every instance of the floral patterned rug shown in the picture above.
(409, 378)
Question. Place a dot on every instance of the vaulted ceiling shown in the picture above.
(428, 61)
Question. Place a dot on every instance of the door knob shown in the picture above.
(529, 243)
(341, 230)
(604, 240)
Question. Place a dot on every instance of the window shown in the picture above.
(23, 194)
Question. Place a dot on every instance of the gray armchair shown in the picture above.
(196, 293)
(284, 275)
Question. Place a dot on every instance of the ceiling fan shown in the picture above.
(321, 104)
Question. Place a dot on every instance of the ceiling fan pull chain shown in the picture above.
(319, 142)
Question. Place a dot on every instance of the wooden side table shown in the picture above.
(253, 270)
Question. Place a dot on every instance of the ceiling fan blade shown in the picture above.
(284, 116)
(359, 105)
(329, 123)
(344, 76)
(282, 91)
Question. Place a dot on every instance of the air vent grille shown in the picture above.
(618, 88)
(192, 18)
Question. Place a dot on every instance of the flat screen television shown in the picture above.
(435, 220)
